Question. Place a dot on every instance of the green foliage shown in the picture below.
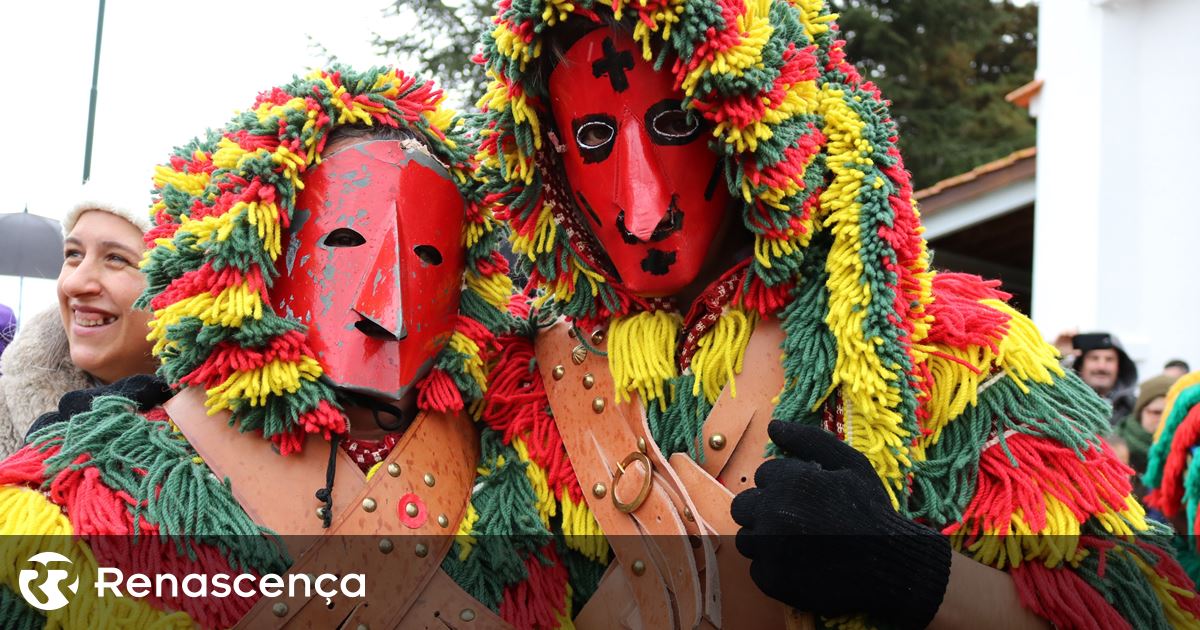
(946, 66)
(441, 39)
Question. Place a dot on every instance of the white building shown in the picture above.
(1116, 224)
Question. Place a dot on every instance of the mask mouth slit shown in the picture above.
(373, 330)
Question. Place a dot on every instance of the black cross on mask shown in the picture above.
(614, 64)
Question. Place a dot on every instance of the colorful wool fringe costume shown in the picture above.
(89, 487)
(1173, 470)
(959, 404)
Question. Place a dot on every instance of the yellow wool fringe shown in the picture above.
(463, 537)
(871, 388)
(580, 530)
(1055, 544)
(29, 524)
(1165, 592)
(545, 503)
(273, 379)
(472, 364)
(1023, 355)
(228, 308)
(721, 352)
(641, 355)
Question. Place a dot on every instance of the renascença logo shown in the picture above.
(51, 594)
(48, 595)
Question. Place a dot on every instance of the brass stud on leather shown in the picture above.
(467, 614)
(641, 444)
(421, 550)
(386, 546)
(321, 512)
(369, 504)
(411, 509)
(578, 354)
(687, 513)
(559, 372)
(443, 521)
(589, 381)
(599, 490)
(597, 337)
(394, 469)
(716, 442)
(639, 567)
(598, 404)
(280, 609)
(362, 626)
(430, 479)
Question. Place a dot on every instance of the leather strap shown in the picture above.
(399, 553)
(650, 541)
(741, 422)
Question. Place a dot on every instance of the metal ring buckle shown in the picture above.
(645, 489)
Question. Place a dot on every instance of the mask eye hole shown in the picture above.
(668, 123)
(428, 254)
(343, 237)
(594, 136)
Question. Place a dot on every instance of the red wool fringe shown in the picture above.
(1097, 483)
(1062, 597)
(516, 405)
(104, 518)
(959, 320)
(26, 467)
(437, 392)
(539, 600)
(1168, 497)
(228, 358)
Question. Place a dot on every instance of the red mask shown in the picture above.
(639, 166)
(374, 265)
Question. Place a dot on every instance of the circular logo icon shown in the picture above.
(47, 595)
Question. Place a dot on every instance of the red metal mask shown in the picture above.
(374, 265)
(638, 164)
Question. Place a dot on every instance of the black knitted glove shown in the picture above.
(147, 390)
(822, 536)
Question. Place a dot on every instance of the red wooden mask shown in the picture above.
(637, 163)
(374, 264)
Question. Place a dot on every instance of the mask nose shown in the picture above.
(642, 191)
(379, 302)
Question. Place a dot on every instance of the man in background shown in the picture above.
(1102, 363)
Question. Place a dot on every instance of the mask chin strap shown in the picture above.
(400, 423)
(400, 419)
(325, 495)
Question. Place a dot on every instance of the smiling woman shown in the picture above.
(95, 336)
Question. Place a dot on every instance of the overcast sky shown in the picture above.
(168, 70)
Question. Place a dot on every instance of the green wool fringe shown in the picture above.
(1122, 583)
(16, 614)
(1184, 548)
(508, 531)
(1067, 412)
(809, 347)
(679, 429)
(184, 499)
(583, 573)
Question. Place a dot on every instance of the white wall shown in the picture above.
(1117, 229)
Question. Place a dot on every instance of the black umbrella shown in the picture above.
(30, 245)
